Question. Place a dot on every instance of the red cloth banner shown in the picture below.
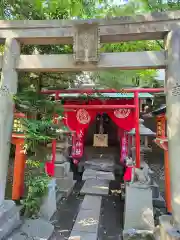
(124, 146)
(123, 118)
(78, 145)
(128, 174)
(79, 120)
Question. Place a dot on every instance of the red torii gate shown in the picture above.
(135, 106)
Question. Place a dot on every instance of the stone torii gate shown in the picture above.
(86, 36)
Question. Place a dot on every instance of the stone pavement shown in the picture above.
(36, 229)
(101, 175)
(9, 218)
(95, 187)
(87, 221)
(102, 163)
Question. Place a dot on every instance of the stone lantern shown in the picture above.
(143, 190)
(144, 134)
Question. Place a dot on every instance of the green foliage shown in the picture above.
(160, 5)
(139, 78)
(128, 78)
(39, 130)
(62, 9)
(37, 188)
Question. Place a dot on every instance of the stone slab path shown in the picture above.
(109, 223)
(33, 229)
(95, 187)
(93, 174)
(87, 221)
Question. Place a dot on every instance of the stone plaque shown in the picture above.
(86, 43)
(100, 140)
(176, 90)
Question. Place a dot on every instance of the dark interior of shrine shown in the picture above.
(102, 124)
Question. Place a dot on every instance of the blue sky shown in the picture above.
(161, 74)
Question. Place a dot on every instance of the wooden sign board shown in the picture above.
(161, 131)
(17, 126)
(100, 140)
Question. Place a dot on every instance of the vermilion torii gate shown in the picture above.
(86, 36)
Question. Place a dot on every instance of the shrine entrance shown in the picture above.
(110, 147)
(86, 37)
(99, 124)
(102, 124)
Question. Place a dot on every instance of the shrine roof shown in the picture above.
(105, 95)
(160, 110)
(156, 112)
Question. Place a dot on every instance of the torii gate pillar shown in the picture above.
(9, 83)
(172, 86)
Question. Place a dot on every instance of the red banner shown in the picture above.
(78, 145)
(79, 120)
(124, 146)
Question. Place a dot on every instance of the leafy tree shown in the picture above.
(41, 9)
(159, 5)
(139, 78)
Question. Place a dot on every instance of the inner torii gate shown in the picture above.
(86, 36)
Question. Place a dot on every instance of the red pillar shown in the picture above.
(137, 135)
(19, 168)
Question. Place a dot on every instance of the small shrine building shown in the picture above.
(100, 121)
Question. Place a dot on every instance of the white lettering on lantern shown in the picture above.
(122, 113)
(83, 116)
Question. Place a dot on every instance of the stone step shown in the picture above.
(100, 164)
(91, 202)
(95, 187)
(33, 229)
(87, 221)
(7, 210)
(9, 226)
(76, 235)
(9, 218)
(93, 174)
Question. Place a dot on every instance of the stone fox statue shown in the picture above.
(143, 175)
